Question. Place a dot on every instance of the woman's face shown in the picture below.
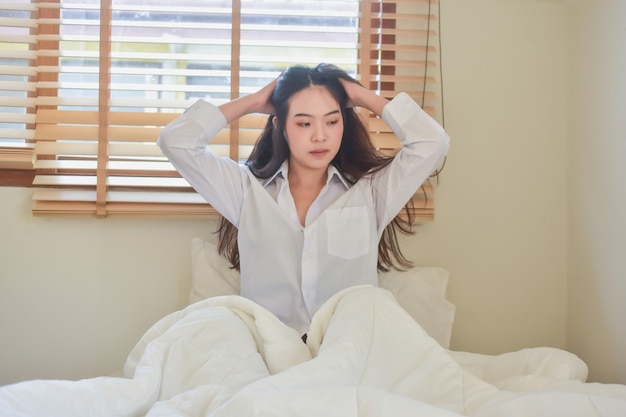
(314, 127)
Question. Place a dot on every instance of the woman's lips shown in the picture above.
(319, 152)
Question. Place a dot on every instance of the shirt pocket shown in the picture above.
(348, 231)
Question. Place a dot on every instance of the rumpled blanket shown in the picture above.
(364, 356)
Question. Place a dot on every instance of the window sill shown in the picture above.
(17, 165)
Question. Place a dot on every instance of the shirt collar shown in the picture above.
(282, 171)
(332, 172)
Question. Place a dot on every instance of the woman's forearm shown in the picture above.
(233, 110)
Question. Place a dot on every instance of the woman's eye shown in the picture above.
(304, 124)
(333, 122)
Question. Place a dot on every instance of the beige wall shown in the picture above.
(76, 294)
(501, 224)
(596, 328)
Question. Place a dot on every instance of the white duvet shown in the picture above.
(364, 356)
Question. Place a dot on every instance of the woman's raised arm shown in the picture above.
(258, 102)
(359, 96)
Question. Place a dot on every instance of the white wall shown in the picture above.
(597, 189)
(76, 294)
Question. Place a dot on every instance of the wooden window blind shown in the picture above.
(17, 87)
(399, 51)
(109, 74)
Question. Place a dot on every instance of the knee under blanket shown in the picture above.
(364, 356)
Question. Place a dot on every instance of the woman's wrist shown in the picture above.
(239, 107)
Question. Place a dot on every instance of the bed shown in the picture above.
(370, 352)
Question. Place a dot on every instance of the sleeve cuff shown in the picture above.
(401, 109)
(208, 116)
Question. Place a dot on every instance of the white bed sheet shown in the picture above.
(365, 356)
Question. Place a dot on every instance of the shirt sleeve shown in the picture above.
(219, 180)
(424, 146)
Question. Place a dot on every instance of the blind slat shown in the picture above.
(18, 6)
(112, 181)
(15, 22)
(16, 118)
(140, 167)
(168, 197)
(25, 134)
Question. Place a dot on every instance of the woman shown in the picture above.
(311, 209)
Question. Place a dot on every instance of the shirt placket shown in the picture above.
(309, 272)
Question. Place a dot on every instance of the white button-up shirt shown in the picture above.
(292, 269)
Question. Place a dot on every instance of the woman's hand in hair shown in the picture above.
(263, 98)
(359, 96)
(258, 102)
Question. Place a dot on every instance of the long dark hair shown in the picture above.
(357, 156)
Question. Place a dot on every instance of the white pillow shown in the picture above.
(420, 291)
(211, 274)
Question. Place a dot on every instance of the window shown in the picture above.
(16, 94)
(90, 83)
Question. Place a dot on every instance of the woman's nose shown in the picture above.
(319, 135)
